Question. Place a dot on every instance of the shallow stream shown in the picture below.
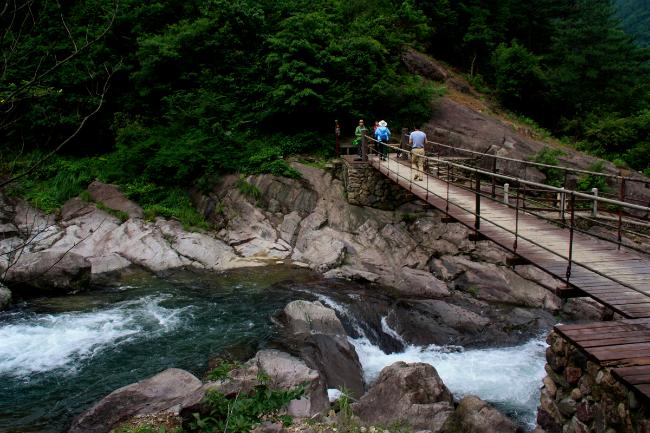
(58, 355)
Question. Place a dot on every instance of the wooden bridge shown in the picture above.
(540, 225)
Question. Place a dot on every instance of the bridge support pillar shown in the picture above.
(506, 192)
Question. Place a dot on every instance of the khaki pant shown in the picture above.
(417, 163)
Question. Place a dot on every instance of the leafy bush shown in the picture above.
(549, 156)
(241, 413)
(588, 181)
(221, 370)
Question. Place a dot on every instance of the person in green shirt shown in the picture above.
(358, 133)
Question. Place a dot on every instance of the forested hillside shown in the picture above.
(635, 19)
(174, 93)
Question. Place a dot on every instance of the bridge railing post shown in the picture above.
(506, 192)
(620, 214)
(494, 179)
(477, 222)
(364, 148)
(562, 204)
(594, 209)
(514, 245)
(573, 207)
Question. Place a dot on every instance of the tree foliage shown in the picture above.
(175, 93)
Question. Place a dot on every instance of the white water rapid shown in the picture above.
(509, 377)
(43, 342)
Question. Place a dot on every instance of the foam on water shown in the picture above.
(508, 377)
(42, 342)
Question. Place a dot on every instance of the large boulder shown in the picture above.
(317, 336)
(493, 283)
(407, 394)
(304, 317)
(5, 297)
(162, 392)
(421, 284)
(283, 372)
(473, 415)
(47, 270)
(112, 197)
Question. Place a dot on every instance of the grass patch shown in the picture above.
(248, 189)
(50, 186)
(119, 214)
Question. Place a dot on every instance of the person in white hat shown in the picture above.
(382, 135)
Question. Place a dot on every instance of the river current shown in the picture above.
(58, 355)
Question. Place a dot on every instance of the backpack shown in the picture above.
(382, 134)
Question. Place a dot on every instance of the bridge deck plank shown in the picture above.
(623, 344)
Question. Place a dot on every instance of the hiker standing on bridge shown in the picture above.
(417, 140)
(382, 135)
(358, 133)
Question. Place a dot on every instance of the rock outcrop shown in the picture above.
(315, 334)
(162, 392)
(473, 415)
(50, 270)
(111, 197)
(408, 394)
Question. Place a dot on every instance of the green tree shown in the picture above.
(518, 76)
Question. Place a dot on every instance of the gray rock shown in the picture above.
(8, 230)
(317, 335)
(323, 253)
(75, 208)
(493, 283)
(409, 394)
(209, 252)
(474, 415)
(289, 227)
(112, 197)
(351, 273)
(47, 270)
(437, 322)
(5, 297)
(421, 284)
(162, 392)
(303, 317)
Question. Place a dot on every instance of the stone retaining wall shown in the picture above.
(580, 396)
(366, 186)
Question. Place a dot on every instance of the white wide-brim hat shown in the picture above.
(383, 123)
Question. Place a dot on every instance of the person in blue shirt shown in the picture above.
(382, 135)
(417, 140)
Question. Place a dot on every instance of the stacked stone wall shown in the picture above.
(366, 186)
(581, 396)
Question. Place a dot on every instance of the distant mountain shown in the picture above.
(635, 19)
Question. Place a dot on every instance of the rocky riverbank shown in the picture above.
(305, 222)
(431, 284)
(409, 396)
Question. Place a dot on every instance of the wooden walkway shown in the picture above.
(615, 277)
(623, 345)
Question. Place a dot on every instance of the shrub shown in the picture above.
(549, 156)
(241, 413)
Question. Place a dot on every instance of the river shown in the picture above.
(60, 354)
